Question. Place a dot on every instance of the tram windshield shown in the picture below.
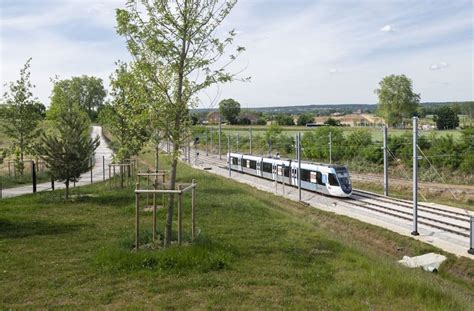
(343, 176)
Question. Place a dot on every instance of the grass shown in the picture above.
(254, 251)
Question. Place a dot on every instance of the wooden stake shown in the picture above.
(180, 216)
(154, 210)
(193, 211)
(137, 218)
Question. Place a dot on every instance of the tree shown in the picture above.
(87, 92)
(126, 115)
(229, 109)
(305, 118)
(178, 54)
(396, 99)
(332, 122)
(446, 118)
(284, 119)
(21, 113)
(315, 143)
(68, 150)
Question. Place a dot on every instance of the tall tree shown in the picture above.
(22, 113)
(87, 92)
(446, 118)
(305, 118)
(68, 150)
(175, 46)
(229, 109)
(396, 99)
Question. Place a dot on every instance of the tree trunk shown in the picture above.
(169, 215)
(67, 189)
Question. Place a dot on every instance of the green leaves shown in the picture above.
(396, 99)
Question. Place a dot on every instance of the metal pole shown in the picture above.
(220, 132)
(228, 152)
(385, 162)
(237, 143)
(330, 147)
(250, 139)
(33, 175)
(270, 147)
(471, 240)
(52, 182)
(212, 141)
(207, 153)
(91, 169)
(283, 178)
(415, 176)
(103, 167)
(299, 166)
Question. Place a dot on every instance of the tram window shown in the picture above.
(235, 161)
(252, 164)
(267, 167)
(313, 177)
(333, 180)
(287, 172)
(244, 163)
(319, 178)
(305, 175)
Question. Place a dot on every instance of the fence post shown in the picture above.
(180, 216)
(193, 211)
(91, 170)
(137, 217)
(33, 175)
(52, 182)
(471, 240)
(103, 167)
(154, 209)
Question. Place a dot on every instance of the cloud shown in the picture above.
(387, 28)
(438, 66)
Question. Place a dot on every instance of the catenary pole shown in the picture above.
(299, 166)
(228, 153)
(220, 133)
(250, 139)
(330, 147)
(415, 177)
(385, 161)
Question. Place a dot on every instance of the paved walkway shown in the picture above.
(103, 156)
(446, 241)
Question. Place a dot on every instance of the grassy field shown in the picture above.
(377, 134)
(254, 251)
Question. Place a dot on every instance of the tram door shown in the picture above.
(294, 175)
(274, 171)
(259, 168)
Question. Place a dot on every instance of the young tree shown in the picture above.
(126, 115)
(21, 113)
(175, 47)
(332, 122)
(446, 118)
(67, 151)
(229, 109)
(396, 99)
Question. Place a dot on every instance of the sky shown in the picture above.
(298, 52)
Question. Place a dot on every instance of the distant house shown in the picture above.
(252, 117)
(213, 117)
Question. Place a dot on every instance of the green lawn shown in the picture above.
(254, 251)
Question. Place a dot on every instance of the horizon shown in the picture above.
(297, 51)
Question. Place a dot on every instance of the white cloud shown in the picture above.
(387, 28)
(438, 66)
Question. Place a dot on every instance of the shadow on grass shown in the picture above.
(21, 229)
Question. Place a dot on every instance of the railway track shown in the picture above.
(455, 221)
